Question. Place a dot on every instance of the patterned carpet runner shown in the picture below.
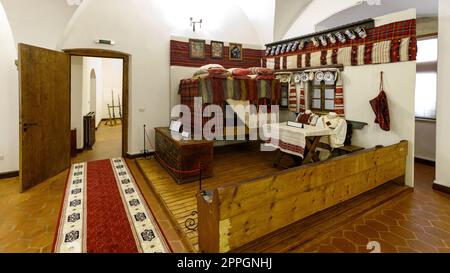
(104, 211)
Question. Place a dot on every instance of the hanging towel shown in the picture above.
(380, 107)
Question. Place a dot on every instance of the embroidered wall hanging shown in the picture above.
(391, 43)
(179, 56)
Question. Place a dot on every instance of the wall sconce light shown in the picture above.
(194, 23)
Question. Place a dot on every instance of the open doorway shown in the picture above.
(93, 91)
(426, 91)
(99, 104)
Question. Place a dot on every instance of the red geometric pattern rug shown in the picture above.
(104, 211)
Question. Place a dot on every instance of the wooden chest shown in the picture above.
(182, 157)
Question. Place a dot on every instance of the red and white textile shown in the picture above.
(290, 139)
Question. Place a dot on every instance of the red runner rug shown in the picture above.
(104, 211)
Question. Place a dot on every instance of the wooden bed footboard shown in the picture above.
(233, 215)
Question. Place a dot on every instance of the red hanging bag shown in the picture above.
(380, 107)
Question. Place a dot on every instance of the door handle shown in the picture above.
(28, 125)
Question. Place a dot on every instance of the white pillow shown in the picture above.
(313, 120)
(204, 69)
(208, 66)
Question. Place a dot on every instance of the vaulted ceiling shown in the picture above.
(425, 8)
(271, 19)
(26, 16)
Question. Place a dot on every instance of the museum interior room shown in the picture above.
(255, 126)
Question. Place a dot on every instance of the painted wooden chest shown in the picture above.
(183, 158)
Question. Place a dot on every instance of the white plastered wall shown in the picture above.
(145, 36)
(443, 97)
(9, 99)
(112, 81)
(90, 64)
(38, 22)
(361, 84)
(76, 98)
(316, 12)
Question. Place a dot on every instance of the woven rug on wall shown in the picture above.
(103, 211)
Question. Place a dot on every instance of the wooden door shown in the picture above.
(44, 78)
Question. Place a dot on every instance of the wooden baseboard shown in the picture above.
(106, 119)
(9, 174)
(134, 156)
(424, 161)
(441, 188)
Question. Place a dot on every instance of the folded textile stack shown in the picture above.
(240, 73)
(263, 73)
(213, 71)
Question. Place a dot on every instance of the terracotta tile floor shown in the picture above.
(417, 222)
(28, 220)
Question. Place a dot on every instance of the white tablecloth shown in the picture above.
(290, 139)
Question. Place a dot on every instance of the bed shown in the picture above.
(256, 86)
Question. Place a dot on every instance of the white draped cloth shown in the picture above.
(290, 139)
(338, 126)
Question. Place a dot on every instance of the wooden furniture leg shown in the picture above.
(311, 147)
(277, 160)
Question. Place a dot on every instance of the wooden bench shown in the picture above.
(234, 215)
(348, 148)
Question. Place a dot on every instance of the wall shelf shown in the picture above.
(367, 23)
(324, 67)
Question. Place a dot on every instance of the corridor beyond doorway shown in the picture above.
(97, 105)
(108, 144)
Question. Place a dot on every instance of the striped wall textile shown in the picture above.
(179, 56)
(293, 99)
(339, 96)
(395, 42)
(302, 102)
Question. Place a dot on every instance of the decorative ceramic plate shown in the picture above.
(319, 76)
(294, 46)
(304, 77)
(273, 50)
(329, 76)
(289, 46)
(277, 52)
(283, 48)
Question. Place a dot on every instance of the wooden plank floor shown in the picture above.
(231, 164)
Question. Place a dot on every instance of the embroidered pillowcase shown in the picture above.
(381, 52)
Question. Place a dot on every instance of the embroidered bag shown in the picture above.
(380, 107)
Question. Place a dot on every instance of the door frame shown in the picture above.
(104, 53)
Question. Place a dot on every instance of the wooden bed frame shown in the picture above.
(233, 215)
